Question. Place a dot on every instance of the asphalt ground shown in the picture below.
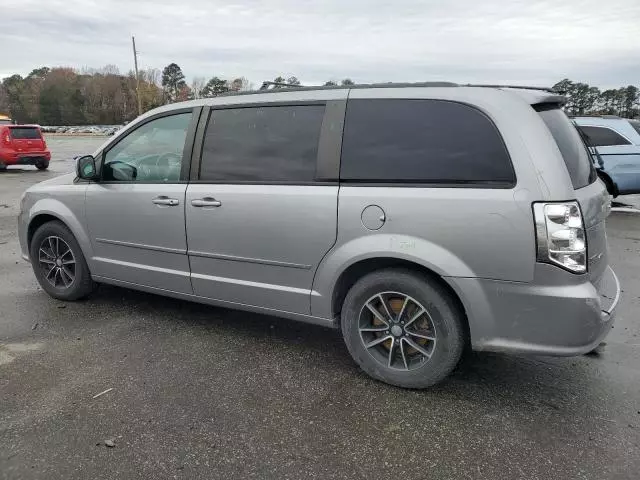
(203, 392)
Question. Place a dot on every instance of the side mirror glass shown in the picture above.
(86, 167)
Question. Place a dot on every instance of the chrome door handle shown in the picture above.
(162, 200)
(206, 202)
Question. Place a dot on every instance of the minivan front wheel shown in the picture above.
(58, 262)
(402, 328)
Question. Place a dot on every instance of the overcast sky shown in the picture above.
(492, 41)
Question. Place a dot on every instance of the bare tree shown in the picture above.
(109, 69)
(197, 85)
(240, 84)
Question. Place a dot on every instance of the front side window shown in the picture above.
(635, 124)
(422, 141)
(151, 153)
(602, 136)
(262, 144)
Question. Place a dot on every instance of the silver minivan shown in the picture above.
(419, 219)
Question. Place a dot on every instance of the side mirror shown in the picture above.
(86, 167)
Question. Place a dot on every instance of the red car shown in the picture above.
(23, 145)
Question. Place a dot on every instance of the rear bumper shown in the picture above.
(542, 318)
(27, 158)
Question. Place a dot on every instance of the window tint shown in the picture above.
(262, 144)
(24, 133)
(635, 124)
(602, 136)
(151, 153)
(573, 150)
(430, 141)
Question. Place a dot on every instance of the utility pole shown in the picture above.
(135, 62)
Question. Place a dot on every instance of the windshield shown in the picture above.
(572, 147)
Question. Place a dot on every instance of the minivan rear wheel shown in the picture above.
(58, 262)
(402, 328)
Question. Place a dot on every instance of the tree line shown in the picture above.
(583, 99)
(64, 96)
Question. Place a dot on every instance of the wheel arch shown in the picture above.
(37, 221)
(48, 210)
(359, 269)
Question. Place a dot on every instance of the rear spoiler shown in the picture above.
(557, 100)
(534, 95)
(539, 99)
(550, 104)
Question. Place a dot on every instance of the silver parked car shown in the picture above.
(615, 143)
(418, 219)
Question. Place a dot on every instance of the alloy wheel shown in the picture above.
(397, 330)
(57, 262)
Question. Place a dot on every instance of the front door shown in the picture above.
(258, 220)
(135, 212)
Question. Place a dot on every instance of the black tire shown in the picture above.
(42, 165)
(81, 285)
(443, 314)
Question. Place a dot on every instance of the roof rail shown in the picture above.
(595, 115)
(286, 87)
(267, 84)
(523, 87)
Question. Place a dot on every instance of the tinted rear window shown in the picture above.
(262, 144)
(602, 136)
(573, 150)
(422, 141)
(25, 133)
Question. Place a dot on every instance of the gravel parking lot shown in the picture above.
(203, 392)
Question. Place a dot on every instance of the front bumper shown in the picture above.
(22, 234)
(558, 314)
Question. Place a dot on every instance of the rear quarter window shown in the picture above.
(573, 149)
(422, 141)
(602, 136)
(25, 133)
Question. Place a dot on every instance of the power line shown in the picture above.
(135, 62)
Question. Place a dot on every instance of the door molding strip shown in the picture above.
(235, 258)
(142, 246)
(247, 283)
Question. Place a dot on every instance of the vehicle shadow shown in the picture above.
(22, 170)
(532, 382)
